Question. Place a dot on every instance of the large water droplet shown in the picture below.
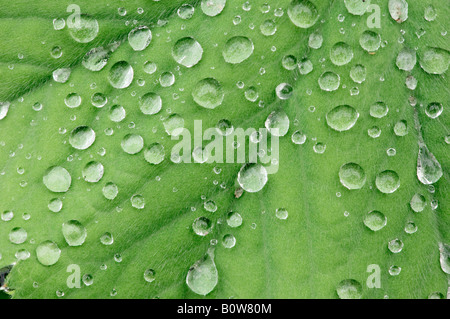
(121, 75)
(237, 49)
(150, 103)
(18, 235)
(93, 172)
(434, 110)
(387, 181)
(398, 10)
(132, 143)
(154, 154)
(429, 170)
(370, 41)
(82, 137)
(57, 179)
(375, 220)
(418, 203)
(83, 28)
(352, 176)
(213, 7)
(329, 81)
(357, 7)
(208, 93)
(342, 117)
(74, 233)
(358, 73)
(187, 51)
(379, 109)
(406, 59)
(341, 53)
(110, 191)
(435, 60)
(174, 125)
(48, 253)
(202, 277)
(139, 38)
(303, 13)
(4, 107)
(349, 289)
(277, 123)
(252, 177)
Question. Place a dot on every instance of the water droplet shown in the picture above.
(4, 107)
(55, 205)
(166, 79)
(401, 128)
(110, 190)
(298, 137)
(186, 11)
(395, 246)
(430, 13)
(395, 270)
(234, 219)
(352, 176)
(281, 213)
(187, 51)
(138, 201)
(48, 253)
(202, 276)
(57, 179)
(107, 239)
(435, 60)
(349, 289)
(18, 235)
(387, 181)
(99, 100)
(117, 113)
(433, 110)
(121, 75)
(93, 172)
(237, 49)
(139, 38)
(149, 275)
(82, 137)
(150, 103)
(213, 7)
(418, 203)
(74, 233)
(406, 59)
(251, 94)
(398, 10)
(444, 259)
(410, 228)
(202, 226)
(72, 100)
(357, 7)
(303, 13)
(61, 75)
(154, 153)
(370, 41)
(132, 143)
(277, 123)
(341, 53)
(252, 177)
(429, 170)
(315, 40)
(358, 73)
(375, 220)
(84, 29)
(174, 125)
(284, 91)
(208, 93)
(305, 66)
(342, 118)
(268, 27)
(329, 81)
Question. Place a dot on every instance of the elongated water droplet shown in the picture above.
(398, 10)
(444, 259)
(202, 277)
(429, 170)
(4, 107)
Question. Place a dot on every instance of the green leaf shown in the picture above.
(130, 221)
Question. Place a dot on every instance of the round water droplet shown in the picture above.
(329, 81)
(370, 41)
(174, 125)
(166, 79)
(406, 59)
(132, 143)
(150, 67)
(298, 138)
(289, 62)
(99, 100)
(110, 191)
(252, 177)
(277, 123)
(150, 103)
(208, 93)
(93, 172)
(55, 205)
(48, 253)
(82, 28)
(74, 233)
(395, 246)
(433, 110)
(18, 235)
(72, 100)
(303, 13)
(251, 94)
(349, 289)
(395, 270)
(186, 11)
(284, 91)
(357, 7)
(358, 73)
(375, 220)
(202, 226)
(237, 49)
(341, 53)
(379, 110)
(281, 213)
(435, 60)
(154, 153)
(57, 179)
(149, 275)
(401, 128)
(387, 181)
(139, 38)
(342, 118)
(213, 7)
(315, 40)
(107, 239)
(187, 51)
(234, 219)
(121, 75)
(82, 137)
(305, 66)
(138, 201)
(268, 27)
(398, 10)
(117, 113)
(228, 241)
(410, 228)
(352, 176)
(430, 13)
